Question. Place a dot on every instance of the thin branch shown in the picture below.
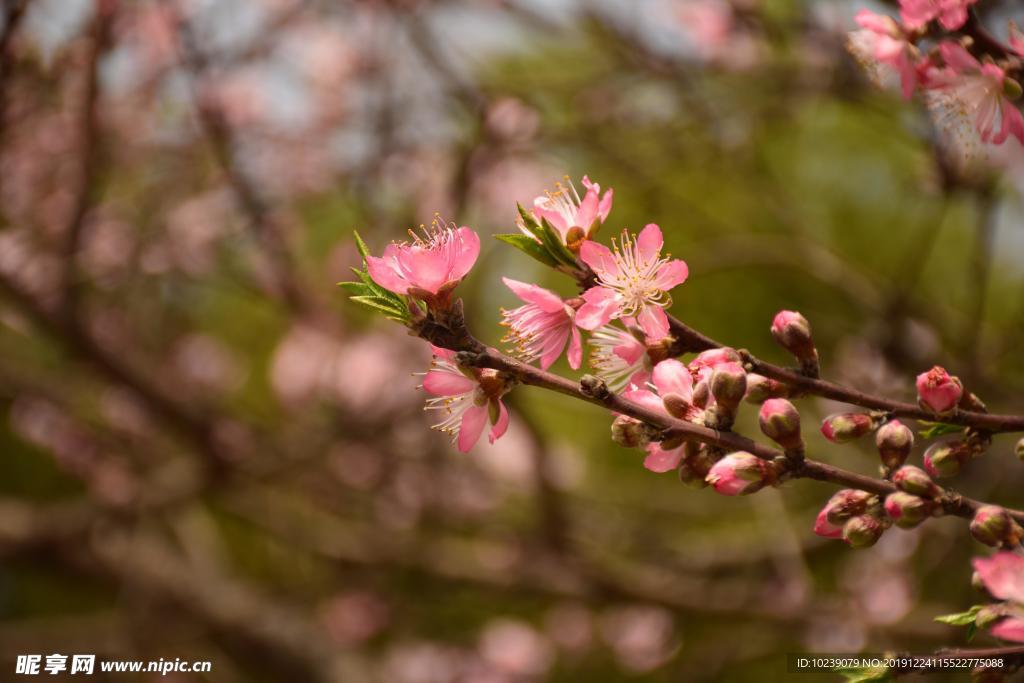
(453, 335)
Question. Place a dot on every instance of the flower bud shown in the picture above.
(895, 441)
(914, 480)
(630, 432)
(729, 384)
(946, 458)
(846, 504)
(991, 525)
(823, 527)
(843, 427)
(761, 388)
(780, 422)
(989, 614)
(740, 474)
(1019, 450)
(907, 510)
(862, 531)
(793, 333)
(937, 391)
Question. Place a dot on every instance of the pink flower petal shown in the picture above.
(672, 274)
(660, 460)
(546, 300)
(468, 251)
(555, 345)
(424, 267)
(575, 355)
(444, 383)
(1011, 628)
(653, 322)
(472, 426)
(501, 426)
(645, 398)
(600, 306)
(957, 57)
(606, 206)
(586, 214)
(649, 242)
(443, 354)
(599, 258)
(383, 274)
(1003, 575)
(672, 377)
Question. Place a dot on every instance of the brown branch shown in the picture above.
(474, 354)
(690, 340)
(88, 161)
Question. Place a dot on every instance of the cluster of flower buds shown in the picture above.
(894, 441)
(844, 427)
(793, 333)
(855, 516)
(741, 473)
(993, 525)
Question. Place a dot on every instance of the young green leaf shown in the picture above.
(862, 674)
(934, 429)
(361, 245)
(356, 288)
(960, 619)
(553, 241)
(382, 305)
(529, 246)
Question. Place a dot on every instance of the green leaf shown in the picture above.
(553, 241)
(361, 245)
(529, 246)
(382, 305)
(529, 220)
(356, 288)
(377, 290)
(960, 619)
(858, 674)
(934, 429)
(972, 630)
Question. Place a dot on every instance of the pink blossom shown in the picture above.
(881, 39)
(618, 357)
(968, 88)
(565, 210)
(709, 25)
(674, 385)
(541, 328)
(468, 398)
(429, 266)
(951, 13)
(1003, 576)
(739, 474)
(633, 280)
(938, 391)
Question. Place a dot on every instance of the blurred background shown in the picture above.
(207, 453)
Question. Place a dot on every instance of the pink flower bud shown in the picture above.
(793, 333)
(945, 459)
(895, 441)
(740, 474)
(863, 531)
(938, 391)
(630, 432)
(761, 388)
(914, 480)
(780, 422)
(843, 427)
(823, 527)
(907, 510)
(991, 525)
(846, 504)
